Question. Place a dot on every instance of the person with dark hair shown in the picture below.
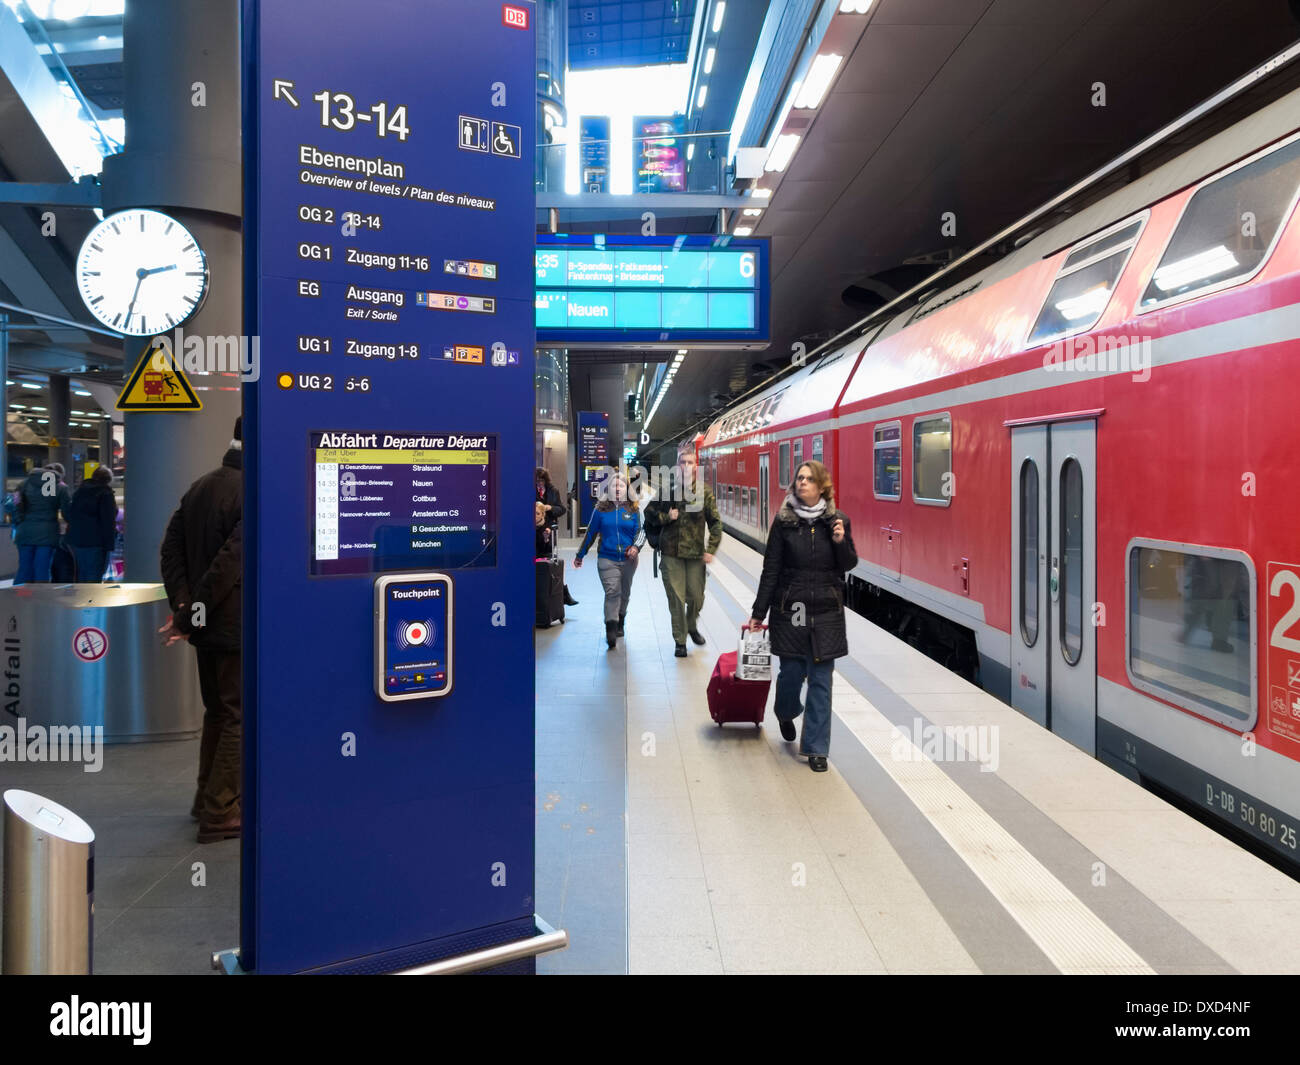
(809, 549)
(549, 496)
(92, 525)
(202, 570)
(618, 525)
(687, 529)
(41, 499)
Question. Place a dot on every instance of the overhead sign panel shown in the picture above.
(648, 289)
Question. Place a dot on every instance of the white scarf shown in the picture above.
(810, 513)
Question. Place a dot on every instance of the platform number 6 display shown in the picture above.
(1286, 578)
(747, 265)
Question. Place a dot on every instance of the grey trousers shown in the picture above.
(617, 580)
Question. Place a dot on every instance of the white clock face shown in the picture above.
(141, 272)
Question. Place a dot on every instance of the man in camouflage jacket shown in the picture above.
(679, 528)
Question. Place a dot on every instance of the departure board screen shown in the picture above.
(394, 501)
(630, 288)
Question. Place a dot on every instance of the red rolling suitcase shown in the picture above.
(735, 700)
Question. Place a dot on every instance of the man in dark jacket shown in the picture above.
(678, 525)
(92, 525)
(202, 570)
(809, 549)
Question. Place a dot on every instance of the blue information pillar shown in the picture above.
(593, 458)
(388, 646)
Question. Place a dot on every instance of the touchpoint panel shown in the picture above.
(413, 636)
(399, 501)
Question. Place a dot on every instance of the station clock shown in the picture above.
(141, 272)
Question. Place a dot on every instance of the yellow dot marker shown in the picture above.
(285, 380)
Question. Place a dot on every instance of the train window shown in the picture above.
(1085, 282)
(1191, 628)
(932, 460)
(783, 472)
(751, 508)
(1072, 548)
(798, 456)
(776, 403)
(1228, 227)
(888, 472)
(1029, 552)
(817, 449)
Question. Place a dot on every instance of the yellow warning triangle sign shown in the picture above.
(158, 384)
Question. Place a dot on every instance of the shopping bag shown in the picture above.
(754, 658)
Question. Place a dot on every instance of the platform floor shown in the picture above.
(741, 860)
(668, 845)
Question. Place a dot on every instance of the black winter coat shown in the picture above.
(554, 508)
(203, 556)
(802, 584)
(92, 517)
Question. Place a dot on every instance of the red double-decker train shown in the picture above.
(1073, 476)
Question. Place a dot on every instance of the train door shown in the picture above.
(1053, 578)
(764, 515)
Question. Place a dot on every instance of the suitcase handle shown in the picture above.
(746, 627)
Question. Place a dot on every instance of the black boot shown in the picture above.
(620, 624)
(568, 599)
(611, 633)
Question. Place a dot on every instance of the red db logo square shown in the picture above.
(515, 16)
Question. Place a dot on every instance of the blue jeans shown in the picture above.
(815, 737)
(33, 563)
(91, 563)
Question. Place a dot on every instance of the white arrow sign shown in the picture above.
(281, 88)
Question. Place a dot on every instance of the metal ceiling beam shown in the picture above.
(650, 201)
(84, 193)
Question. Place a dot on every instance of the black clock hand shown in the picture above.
(140, 275)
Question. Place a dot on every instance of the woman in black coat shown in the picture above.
(92, 525)
(549, 496)
(809, 549)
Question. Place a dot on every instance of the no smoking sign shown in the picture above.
(90, 644)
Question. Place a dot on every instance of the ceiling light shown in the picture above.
(681, 351)
(709, 57)
(782, 152)
(38, 408)
(690, 151)
(719, 10)
(743, 231)
(1216, 260)
(761, 194)
(81, 392)
(17, 406)
(753, 212)
(854, 7)
(42, 421)
(818, 81)
(699, 100)
(28, 384)
(1087, 305)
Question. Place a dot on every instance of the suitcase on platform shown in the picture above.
(731, 699)
(550, 591)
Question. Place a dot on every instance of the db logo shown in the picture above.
(515, 16)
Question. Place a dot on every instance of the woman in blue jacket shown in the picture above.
(618, 524)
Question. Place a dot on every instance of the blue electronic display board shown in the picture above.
(651, 289)
(389, 238)
(593, 458)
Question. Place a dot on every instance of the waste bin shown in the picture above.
(49, 888)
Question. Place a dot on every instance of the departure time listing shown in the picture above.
(387, 501)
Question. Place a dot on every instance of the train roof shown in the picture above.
(944, 344)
